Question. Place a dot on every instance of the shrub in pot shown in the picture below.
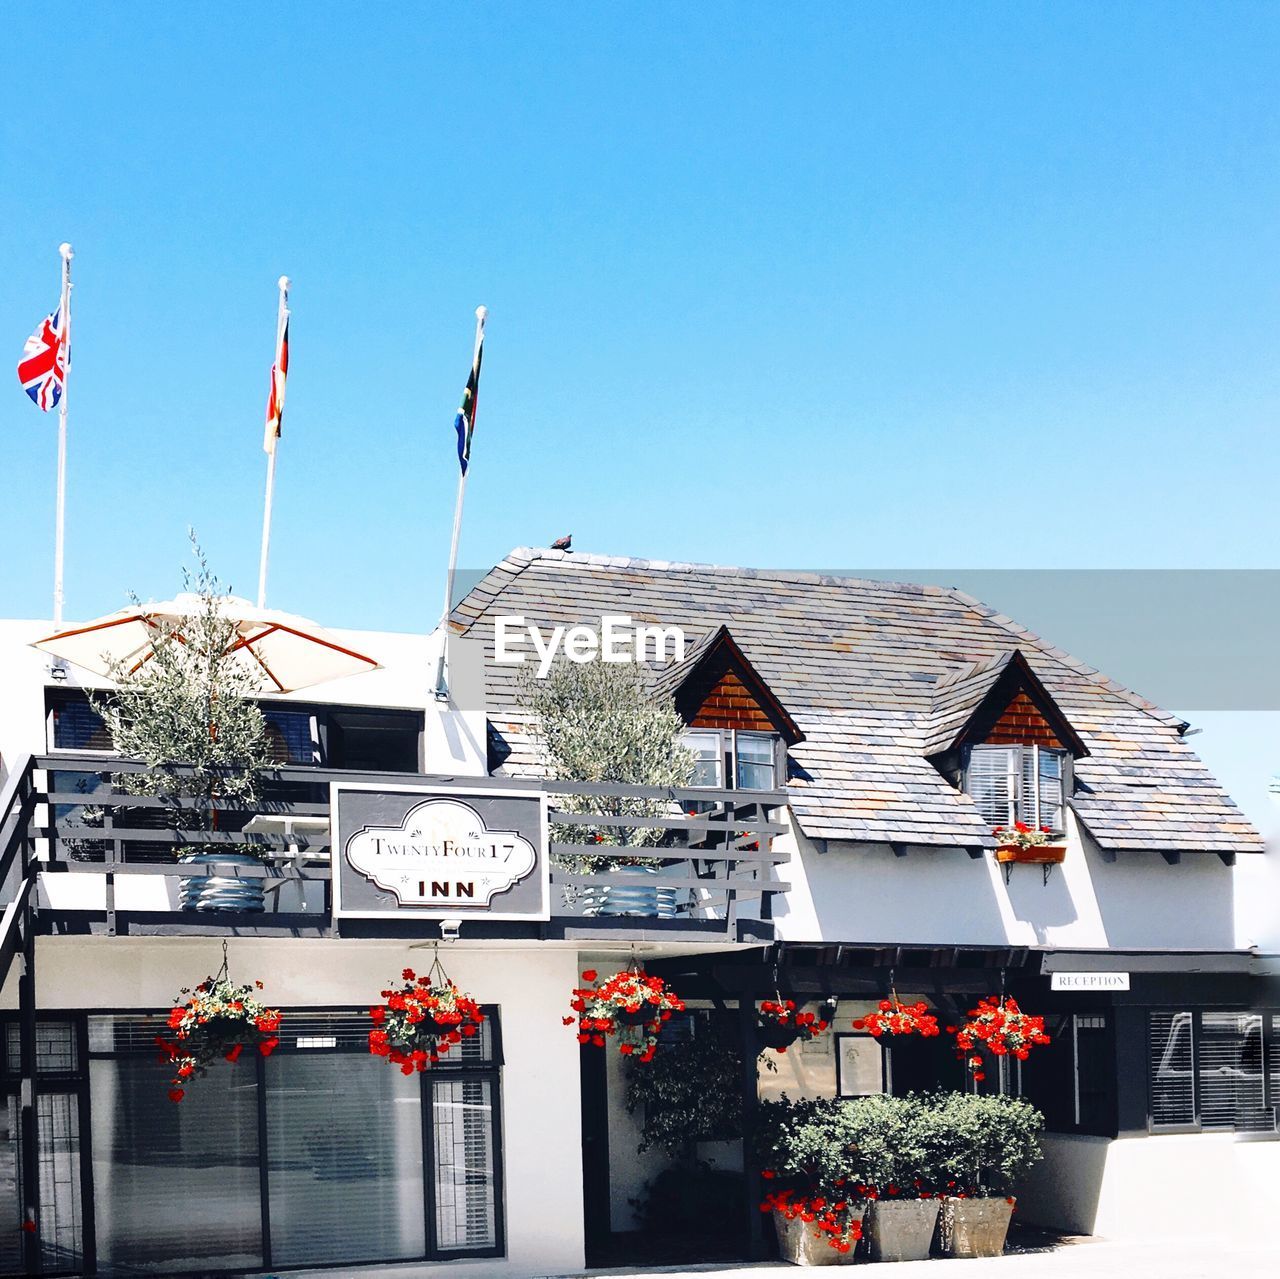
(988, 1143)
(816, 1194)
(896, 1140)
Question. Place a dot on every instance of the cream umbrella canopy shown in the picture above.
(281, 651)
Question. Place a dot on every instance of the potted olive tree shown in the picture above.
(597, 722)
(990, 1142)
(186, 712)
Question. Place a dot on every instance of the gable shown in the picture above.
(724, 701)
(1023, 724)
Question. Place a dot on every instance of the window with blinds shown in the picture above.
(1207, 1071)
(462, 1142)
(359, 1163)
(1018, 784)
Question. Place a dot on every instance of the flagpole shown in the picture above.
(281, 317)
(442, 688)
(61, 504)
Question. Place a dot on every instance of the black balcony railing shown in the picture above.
(707, 855)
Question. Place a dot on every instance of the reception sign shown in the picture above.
(439, 852)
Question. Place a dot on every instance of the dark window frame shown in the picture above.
(1269, 1071)
(325, 717)
(77, 1083)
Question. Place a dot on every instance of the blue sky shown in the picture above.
(826, 286)
(823, 286)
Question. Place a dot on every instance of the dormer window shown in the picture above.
(1018, 784)
(728, 759)
(738, 730)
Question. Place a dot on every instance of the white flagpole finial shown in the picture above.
(285, 283)
(482, 313)
(66, 251)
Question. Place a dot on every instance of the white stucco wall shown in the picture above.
(1172, 1186)
(541, 1111)
(941, 896)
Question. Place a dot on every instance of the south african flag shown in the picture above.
(465, 422)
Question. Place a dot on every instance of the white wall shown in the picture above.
(941, 896)
(541, 1109)
(1173, 1186)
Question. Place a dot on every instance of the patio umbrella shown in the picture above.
(284, 651)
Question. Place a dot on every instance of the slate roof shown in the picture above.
(858, 663)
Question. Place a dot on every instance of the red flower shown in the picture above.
(589, 974)
(234, 1053)
(176, 1094)
(268, 1046)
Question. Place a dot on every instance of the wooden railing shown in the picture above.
(712, 847)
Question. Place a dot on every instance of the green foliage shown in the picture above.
(189, 705)
(986, 1143)
(691, 1091)
(809, 1144)
(596, 722)
(943, 1142)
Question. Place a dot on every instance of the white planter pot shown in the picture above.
(801, 1245)
(974, 1227)
(901, 1229)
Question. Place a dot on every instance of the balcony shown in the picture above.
(105, 861)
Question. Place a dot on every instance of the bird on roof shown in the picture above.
(564, 543)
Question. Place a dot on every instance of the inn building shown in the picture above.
(856, 743)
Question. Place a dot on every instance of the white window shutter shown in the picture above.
(993, 782)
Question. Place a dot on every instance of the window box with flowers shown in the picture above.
(1021, 843)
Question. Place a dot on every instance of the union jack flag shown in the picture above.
(43, 366)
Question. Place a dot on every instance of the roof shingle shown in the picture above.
(859, 664)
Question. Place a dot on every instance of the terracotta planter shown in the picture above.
(1042, 855)
(901, 1229)
(974, 1227)
(799, 1244)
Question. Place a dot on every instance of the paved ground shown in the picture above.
(1089, 1258)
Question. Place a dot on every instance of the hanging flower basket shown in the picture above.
(217, 1019)
(779, 1024)
(998, 1026)
(894, 1018)
(630, 1004)
(422, 1020)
